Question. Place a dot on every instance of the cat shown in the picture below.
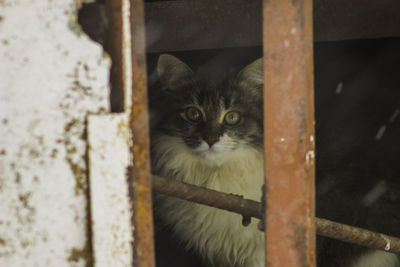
(207, 130)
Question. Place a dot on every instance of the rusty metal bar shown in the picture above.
(250, 208)
(113, 45)
(246, 207)
(357, 236)
(144, 241)
(289, 132)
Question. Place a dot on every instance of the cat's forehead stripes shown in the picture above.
(212, 108)
(224, 110)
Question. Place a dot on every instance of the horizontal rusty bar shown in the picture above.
(357, 236)
(246, 207)
(289, 133)
(143, 218)
(228, 23)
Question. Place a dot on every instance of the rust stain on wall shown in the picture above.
(78, 167)
(84, 253)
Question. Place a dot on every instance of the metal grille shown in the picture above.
(289, 139)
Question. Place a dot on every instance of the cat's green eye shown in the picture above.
(232, 118)
(193, 114)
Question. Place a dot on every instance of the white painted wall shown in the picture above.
(109, 197)
(51, 77)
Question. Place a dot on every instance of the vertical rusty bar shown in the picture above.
(113, 45)
(289, 132)
(144, 243)
(118, 44)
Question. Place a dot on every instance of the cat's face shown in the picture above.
(212, 117)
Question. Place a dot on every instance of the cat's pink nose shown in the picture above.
(212, 140)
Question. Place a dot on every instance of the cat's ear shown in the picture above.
(253, 74)
(173, 71)
(251, 79)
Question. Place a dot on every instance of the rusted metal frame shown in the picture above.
(229, 23)
(246, 207)
(357, 236)
(250, 208)
(143, 219)
(118, 44)
(115, 44)
(289, 132)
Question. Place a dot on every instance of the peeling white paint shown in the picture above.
(109, 197)
(109, 158)
(310, 157)
(51, 78)
(286, 43)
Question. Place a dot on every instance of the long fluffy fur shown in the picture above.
(218, 235)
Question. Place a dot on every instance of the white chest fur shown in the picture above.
(217, 234)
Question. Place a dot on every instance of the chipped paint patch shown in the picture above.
(310, 155)
(74, 142)
(81, 254)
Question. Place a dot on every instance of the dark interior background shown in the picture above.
(357, 113)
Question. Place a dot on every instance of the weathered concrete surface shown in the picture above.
(111, 213)
(52, 76)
